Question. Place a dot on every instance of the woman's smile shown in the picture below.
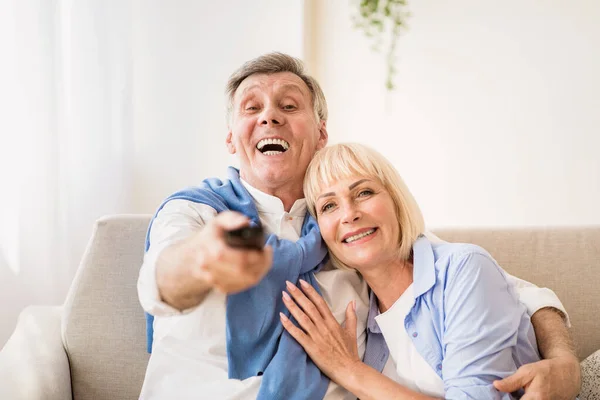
(359, 236)
(358, 221)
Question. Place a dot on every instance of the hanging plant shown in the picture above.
(377, 18)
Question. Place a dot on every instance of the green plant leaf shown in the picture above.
(375, 18)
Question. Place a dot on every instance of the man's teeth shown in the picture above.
(359, 236)
(272, 153)
(277, 146)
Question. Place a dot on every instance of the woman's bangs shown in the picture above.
(342, 163)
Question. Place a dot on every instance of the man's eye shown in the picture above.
(289, 107)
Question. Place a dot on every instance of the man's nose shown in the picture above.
(271, 116)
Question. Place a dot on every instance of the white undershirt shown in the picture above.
(189, 358)
(405, 365)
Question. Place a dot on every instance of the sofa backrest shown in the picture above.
(104, 327)
(103, 323)
(563, 259)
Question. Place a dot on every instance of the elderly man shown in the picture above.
(216, 328)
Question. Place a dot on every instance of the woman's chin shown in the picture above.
(360, 262)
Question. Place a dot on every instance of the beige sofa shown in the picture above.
(93, 347)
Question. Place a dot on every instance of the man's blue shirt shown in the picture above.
(467, 321)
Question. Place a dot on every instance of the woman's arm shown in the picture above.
(367, 383)
(483, 323)
(333, 347)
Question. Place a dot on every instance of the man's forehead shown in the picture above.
(280, 81)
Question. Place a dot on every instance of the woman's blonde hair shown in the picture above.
(346, 160)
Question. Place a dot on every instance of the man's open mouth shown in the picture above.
(272, 147)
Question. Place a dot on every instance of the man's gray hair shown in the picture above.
(270, 64)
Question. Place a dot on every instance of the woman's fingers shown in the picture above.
(320, 304)
(316, 299)
(305, 322)
(296, 332)
(330, 346)
(350, 324)
(313, 313)
(307, 305)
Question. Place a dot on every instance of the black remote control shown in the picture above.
(248, 237)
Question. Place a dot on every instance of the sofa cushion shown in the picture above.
(103, 323)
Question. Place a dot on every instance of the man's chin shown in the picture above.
(278, 175)
(269, 175)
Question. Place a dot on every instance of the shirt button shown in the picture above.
(415, 334)
(439, 366)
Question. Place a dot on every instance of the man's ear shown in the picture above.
(229, 143)
(323, 135)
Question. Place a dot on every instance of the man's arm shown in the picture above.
(558, 376)
(536, 298)
(188, 257)
(173, 271)
(553, 338)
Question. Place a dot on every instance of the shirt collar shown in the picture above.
(423, 266)
(373, 312)
(423, 278)
(265, 203)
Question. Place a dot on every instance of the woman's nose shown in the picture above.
(271, 116)
(351, 214)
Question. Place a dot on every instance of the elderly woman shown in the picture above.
(451, 321)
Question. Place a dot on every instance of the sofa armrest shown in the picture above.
(33, 363)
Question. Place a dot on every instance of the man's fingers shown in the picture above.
(228, 220)
(233, 270)
(515, 381)
(223, 267)
(265, 260)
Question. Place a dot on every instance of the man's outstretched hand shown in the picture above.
(189, 269)
(557, 378)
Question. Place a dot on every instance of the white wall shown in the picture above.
(65, 128)
(184, 52)
(172, 99)
(495, 120)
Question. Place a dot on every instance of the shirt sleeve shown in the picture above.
(536, 298)
(177, 220)
(481, 327)
(532, 296)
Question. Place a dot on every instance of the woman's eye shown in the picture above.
(327, 207)
(366, 192)
(251, 108)
(289, 107)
